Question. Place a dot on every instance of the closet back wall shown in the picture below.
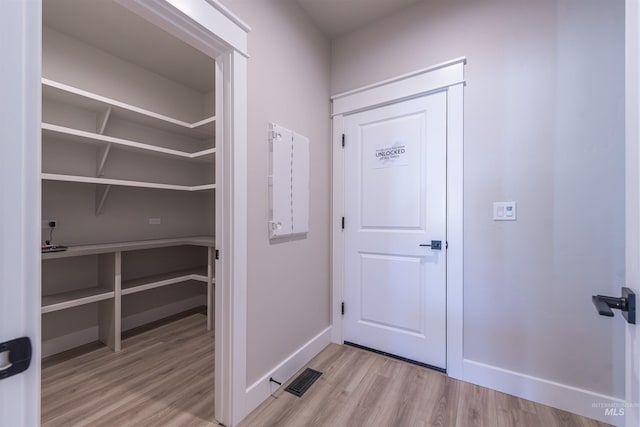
(127, 210)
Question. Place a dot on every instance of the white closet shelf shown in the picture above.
(160, 280)
(90, 137)
(64, 300)
(81, 98)
(125, 183)
(73, 251)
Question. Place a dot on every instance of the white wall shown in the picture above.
(288, 282)
(544, 125)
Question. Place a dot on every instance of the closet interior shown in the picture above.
(128, 174)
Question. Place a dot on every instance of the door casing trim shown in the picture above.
(449, 77)
(210, 27)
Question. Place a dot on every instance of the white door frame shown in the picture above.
(632, 199)
(211, 28)
(449, 77)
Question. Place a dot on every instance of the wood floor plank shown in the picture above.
(364, 389)
(161, 376)
(165, 377)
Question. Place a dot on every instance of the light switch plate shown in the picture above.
(504, 211)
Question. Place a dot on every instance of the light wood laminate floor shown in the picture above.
(360, 388)
(162, 377)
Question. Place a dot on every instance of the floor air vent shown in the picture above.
(305, 380)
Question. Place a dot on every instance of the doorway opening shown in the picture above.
(138, 132)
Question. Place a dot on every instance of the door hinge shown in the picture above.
(342, 308)
(217, 253)
(343, 223)
(343, 140)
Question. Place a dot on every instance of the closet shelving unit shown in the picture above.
(112, 286)
(105, 108)
(94, 123)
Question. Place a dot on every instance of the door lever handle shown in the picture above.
(435, 245)
(626, 304)
(18, 357)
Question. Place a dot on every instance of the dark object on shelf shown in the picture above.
(53, 248)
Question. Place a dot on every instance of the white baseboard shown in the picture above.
(263, 388)
(65, 342)
(144, 317)
(561, 396)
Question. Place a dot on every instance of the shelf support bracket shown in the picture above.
(102, 191)
(101, 124)
(102, 159)
(102, 119)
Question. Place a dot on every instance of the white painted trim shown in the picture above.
(93, 138)
(213, 31)
(109, 102)
(231, 238)
(71, 299)
(455, 226)
(226, 12)
(208, 29)
(212, 15)
(337, 233)
(632, 205)
(222, 386)
(263, 388)
(399, 88)
(562, 396)
(125, 183)
(450, 77)
(239, 234)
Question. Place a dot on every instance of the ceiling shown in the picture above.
(339, 17)
(112, 28)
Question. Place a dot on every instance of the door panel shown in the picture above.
(392, 304)
(391, 149)
(20, 36)
(395, 200)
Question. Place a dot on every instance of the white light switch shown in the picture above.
(504, 211)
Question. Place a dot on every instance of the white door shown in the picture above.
(395, 203)
(20, 34)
